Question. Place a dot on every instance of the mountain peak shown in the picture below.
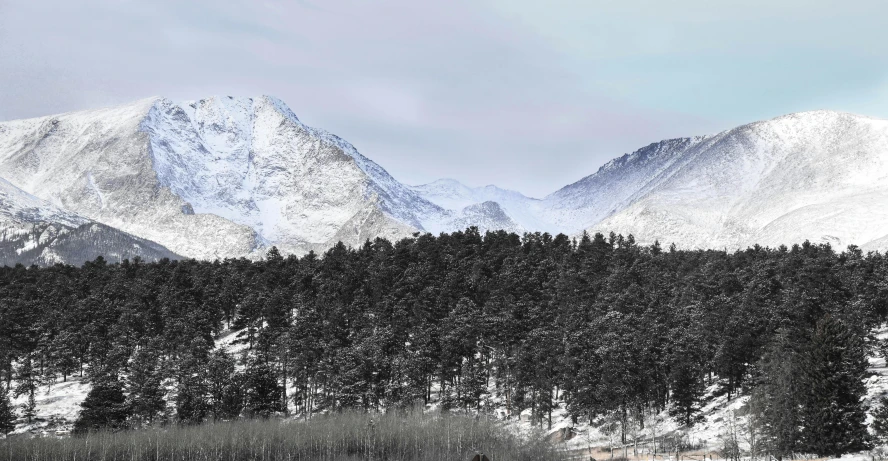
(226, 176)
(801, 122)
(819, 113)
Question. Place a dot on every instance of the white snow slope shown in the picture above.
(228, 177)
(33, 231)
(220, 177)
(20, 209)
(819, 176)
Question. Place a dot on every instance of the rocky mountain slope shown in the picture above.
(229, 177)
(33, 231)
(220, 177)
(820, 176)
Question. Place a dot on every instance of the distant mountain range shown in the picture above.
(230, 177)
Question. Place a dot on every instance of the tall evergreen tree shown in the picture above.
(104, 408)
(687, 393)
(28, 380)
(833, 415)
(686, 367)
(776, 397)
(225, 386)
(7, 412)
(192, 392)
(145, 386)
(263, 391)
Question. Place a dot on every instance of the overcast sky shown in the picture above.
(526, 94)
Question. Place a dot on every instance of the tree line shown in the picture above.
(472, 322)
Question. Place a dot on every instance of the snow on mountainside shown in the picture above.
(98, 164)
(253, 163)
(586, 202)
(33, 231)
(818, 176)
(50, 244)
(220, 177)
(519, 213)
(451, 194)
(20, 209)
(228, 177)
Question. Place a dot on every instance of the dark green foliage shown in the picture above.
(687, 367)
(145, 386)
(687, 394)
(834, 365)
(609, 328)
(880, 420)
(7, 412)
(28, 380)
(104, 408)
(192, 389)
(809, 393)
(263, 391)
(776, 398)
(225, 387)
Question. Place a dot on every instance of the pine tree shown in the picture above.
(687, 394)
(27, 385)
(64, 360)
(833, 415)
(105, 407)
(225, 386)
(880, 420)
(263, 391)
(776, 398)
(7, 412)
(145, 386)
(29, 408)
(192, 393)
(685, 376)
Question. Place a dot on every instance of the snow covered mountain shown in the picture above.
(820, 176)
(20, 209)
(33, 231)
(220, 177)
(229, 177)
(519, 213)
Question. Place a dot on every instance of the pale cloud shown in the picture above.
(527, 95)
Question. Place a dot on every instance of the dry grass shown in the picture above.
(338, 437)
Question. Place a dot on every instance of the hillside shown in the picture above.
(230, 177)
(33, 231)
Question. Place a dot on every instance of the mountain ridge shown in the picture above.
(33, 231)
(229, 177)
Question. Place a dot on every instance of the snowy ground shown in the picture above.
(59, 404)
(57, 407)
